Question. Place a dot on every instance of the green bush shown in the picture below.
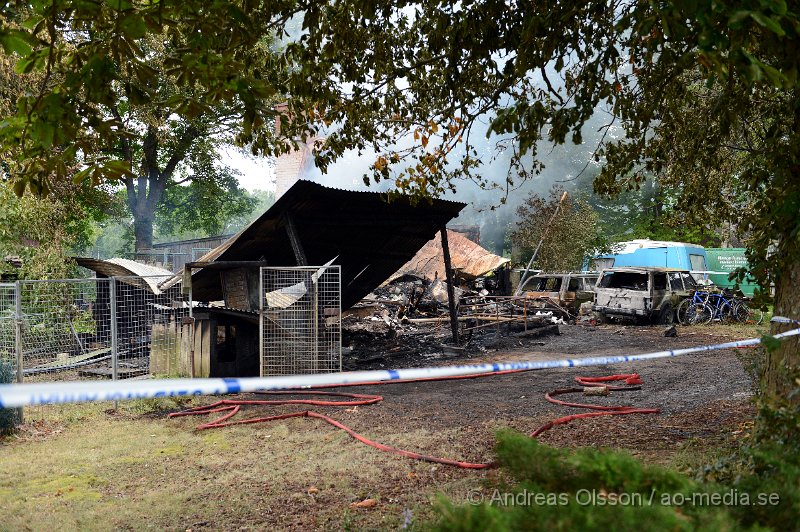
(589, 489)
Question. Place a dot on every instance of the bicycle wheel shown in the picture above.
(699, 313)
(680, 311)
(745, 314)
(726, 313)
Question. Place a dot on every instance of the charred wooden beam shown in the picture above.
(448, 268)
(294, 239)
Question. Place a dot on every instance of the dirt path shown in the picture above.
(696, 394)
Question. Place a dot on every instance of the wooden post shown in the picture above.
(448, 269)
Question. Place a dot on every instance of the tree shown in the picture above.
(653, 211)
(210, 205)
(573, 234)
(138, 92)
(44, 231)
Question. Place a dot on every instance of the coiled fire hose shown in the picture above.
(230, 407)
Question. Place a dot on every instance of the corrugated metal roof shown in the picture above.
(371, 237)
(147, 277)
(465, 255)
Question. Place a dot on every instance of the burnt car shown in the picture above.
(642, 293)
(562, 293)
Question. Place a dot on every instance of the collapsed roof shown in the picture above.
(369, 236)
(128, 271)
(469, 258)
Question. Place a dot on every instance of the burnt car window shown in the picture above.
(628, 280)
(545, 284)
(551, 284)
(675, 281)
(688, 281)
(659, 281)
(574, 285)
(589, 282)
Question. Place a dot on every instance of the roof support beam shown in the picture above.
(294, 239)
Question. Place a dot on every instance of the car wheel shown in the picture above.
(665, 315)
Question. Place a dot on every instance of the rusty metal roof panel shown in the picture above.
(465, 255)
(371, 237)
(135, 273)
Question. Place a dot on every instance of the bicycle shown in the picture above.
(704, 307)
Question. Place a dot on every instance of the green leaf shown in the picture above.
(19, 187)
(44, 132)
(768, 22)
(18, 42)
(776, 6)
(770, 343)
(738, 17)
(26, 65)
(81, 176)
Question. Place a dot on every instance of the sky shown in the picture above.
(256, 173)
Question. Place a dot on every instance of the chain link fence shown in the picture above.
(8, 361)
(73, 329)
(301, 325)
(8, 304)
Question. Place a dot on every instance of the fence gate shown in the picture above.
(300, 320)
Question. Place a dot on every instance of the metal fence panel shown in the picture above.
(301, 327)
(64, 328)
(72, 329)
(148, 323)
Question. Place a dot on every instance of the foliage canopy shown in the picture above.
(704, 91)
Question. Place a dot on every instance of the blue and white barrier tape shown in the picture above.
(16, 395)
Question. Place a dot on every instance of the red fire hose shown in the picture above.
(230, 408)
(632, 381)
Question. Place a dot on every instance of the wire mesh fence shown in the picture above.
(63, 327)
(301, 326)
(8, 303)
(8, 361)
(148, 323)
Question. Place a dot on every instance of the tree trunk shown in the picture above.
(143, 228)
(783, 363)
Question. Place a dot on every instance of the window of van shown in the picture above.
(601, 264)
(688, 281)
(659, 281)
(545, 284)
(698, 263)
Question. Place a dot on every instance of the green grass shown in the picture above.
(85, 467)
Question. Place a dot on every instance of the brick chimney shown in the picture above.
(291, 166)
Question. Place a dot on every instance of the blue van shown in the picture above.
(654, 253)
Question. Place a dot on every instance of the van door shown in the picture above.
(658, 289)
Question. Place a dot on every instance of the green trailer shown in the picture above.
(728, 260)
